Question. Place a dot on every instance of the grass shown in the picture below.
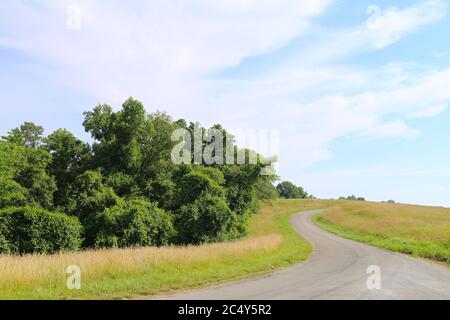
(417, 230)
(113, 274)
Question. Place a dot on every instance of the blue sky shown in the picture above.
(358, 89)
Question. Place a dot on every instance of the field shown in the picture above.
(417, 230)
(110, 274)
(271, 244)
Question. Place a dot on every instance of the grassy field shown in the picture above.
(417, 230)
(109, 274)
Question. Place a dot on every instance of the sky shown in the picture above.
(359, 90)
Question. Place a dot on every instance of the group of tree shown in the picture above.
(59, 193)
(352, 198)
(288, 190)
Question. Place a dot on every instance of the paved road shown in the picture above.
(337, 270)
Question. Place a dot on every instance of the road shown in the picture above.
(337, 269)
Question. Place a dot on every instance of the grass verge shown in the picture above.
(417, 230)
(114, 274)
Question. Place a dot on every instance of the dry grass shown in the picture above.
(419, 230)
(33, 270)
(146, 271)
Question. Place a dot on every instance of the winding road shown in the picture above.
(337, 269)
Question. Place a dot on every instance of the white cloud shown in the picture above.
(430, 112)
(164, 52)
(159, 51)
(391, 129)
(390, 25)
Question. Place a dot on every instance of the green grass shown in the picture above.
(415, 230)
(111, 274)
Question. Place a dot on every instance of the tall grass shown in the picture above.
(123, 273)
(418, 230)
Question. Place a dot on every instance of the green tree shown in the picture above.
(70, 157)
(28, 167)
(33, 230)
(89, 196)
(28, 135)
(265, 190)
(12, 194)
(289, 190)
(208, 219)
(134, 223)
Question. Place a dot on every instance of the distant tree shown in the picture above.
(265, 190)
(352, 198)
(391, 202)
(289, 190)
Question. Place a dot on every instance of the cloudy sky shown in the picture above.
(358, 89)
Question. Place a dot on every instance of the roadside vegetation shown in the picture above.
(123, 189)
(125, 273)
(417, 230)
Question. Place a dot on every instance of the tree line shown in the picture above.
(60, 193)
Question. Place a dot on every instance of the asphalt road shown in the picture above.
(337, 269)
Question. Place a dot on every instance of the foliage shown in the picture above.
(265, 190)
(208, 219)
(352, 198)
(32, 230)
(134, 223)
(288, 190)
(124, 188)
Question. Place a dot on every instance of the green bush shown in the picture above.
(12, 194)
(32, 230)
(4, 245)
(133, 223)
(196, 184)
(89, 196)
(208, 219)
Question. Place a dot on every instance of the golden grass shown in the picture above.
(419, 230)
(415, 222)
(117, 273)
(34, 270)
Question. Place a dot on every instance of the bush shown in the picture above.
(4, 245)
(32, 230)
(12, 194)
(196, 184)
(89, 196)
(208, 219)
(133, 223)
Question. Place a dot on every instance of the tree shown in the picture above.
(289, 190)
(28, 135)
(12, 194)
(70, 157)
(208, 219)
(89, 196)
(265, 190)
(28, 167)
(352, 198)
(134, 223)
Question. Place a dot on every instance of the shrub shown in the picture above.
(208, 219)
(133, 223)
(4, 245)
(33, 230)
(89, 196)
(195, 184)
(12, 194)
